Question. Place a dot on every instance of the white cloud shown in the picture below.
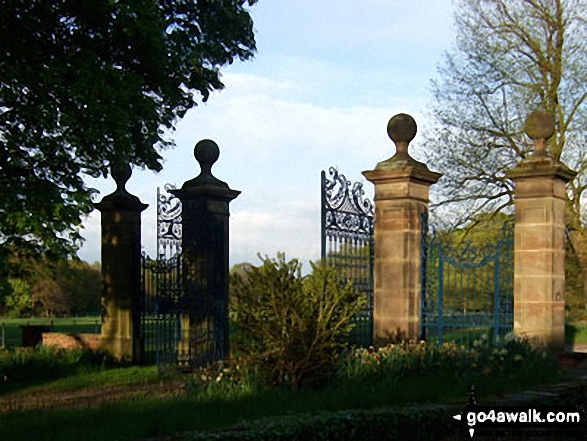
(273, 150)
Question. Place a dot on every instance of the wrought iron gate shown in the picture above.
(161, 309)
(161, 283)
(466, 292)
(347, 242)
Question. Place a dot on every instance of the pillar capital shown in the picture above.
(121, 199)
(540, 164)
(206, 184)
(391, 182)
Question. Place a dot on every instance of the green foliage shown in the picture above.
(575, 292)
(303, 414)
(41, 286)
(18, 298)
(290, 326)
(84, 84)
(24, 365)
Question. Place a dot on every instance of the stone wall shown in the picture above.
(71, 341)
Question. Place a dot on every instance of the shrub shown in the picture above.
(290, 326)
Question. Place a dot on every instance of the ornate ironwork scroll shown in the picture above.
(347, 242)
(346, 211)
(169, 211)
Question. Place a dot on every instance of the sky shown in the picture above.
(327, 77)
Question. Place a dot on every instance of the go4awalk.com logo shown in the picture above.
(550, 419)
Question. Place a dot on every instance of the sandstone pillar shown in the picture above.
(121, 270)
(205, 214)
(401, 195)
(539, 260)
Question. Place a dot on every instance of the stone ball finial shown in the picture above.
(539, 127)
(206, 153)
(401, 129)
(121, 174)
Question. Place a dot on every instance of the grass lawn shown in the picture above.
(93, 400)
(154, 417)
(101, 402)
(576, 333)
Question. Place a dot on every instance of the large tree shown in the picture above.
(511, 57)
(84, 84)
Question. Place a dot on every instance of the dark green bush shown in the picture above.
(291, 327)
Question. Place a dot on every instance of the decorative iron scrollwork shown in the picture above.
(347, 243)
(347, 213)
(169, 231)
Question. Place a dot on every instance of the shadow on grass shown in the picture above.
(148, 418)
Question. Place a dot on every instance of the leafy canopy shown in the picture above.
(87, 83)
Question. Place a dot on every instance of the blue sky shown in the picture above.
(327, 77)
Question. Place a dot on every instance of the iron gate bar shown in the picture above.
(468, 291)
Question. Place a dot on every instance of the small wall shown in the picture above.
(71, 341)
(32, 335)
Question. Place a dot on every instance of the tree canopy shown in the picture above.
(84, 84)
(511, 57)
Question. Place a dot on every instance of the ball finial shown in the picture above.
(402, 128)
(539, 125)
(121, 174)
(206, 153)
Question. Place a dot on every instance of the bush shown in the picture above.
(290, 326)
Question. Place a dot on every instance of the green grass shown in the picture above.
(576, 333)
(91, 378)
(366, 379)
(151, 418)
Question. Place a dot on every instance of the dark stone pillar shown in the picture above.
(121, 270)
(204, 318)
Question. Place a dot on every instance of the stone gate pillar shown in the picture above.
(401, 195)
(539, 243)
(204, 318)
(121, 270)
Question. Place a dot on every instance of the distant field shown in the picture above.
(576, 333)
(11, 334)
